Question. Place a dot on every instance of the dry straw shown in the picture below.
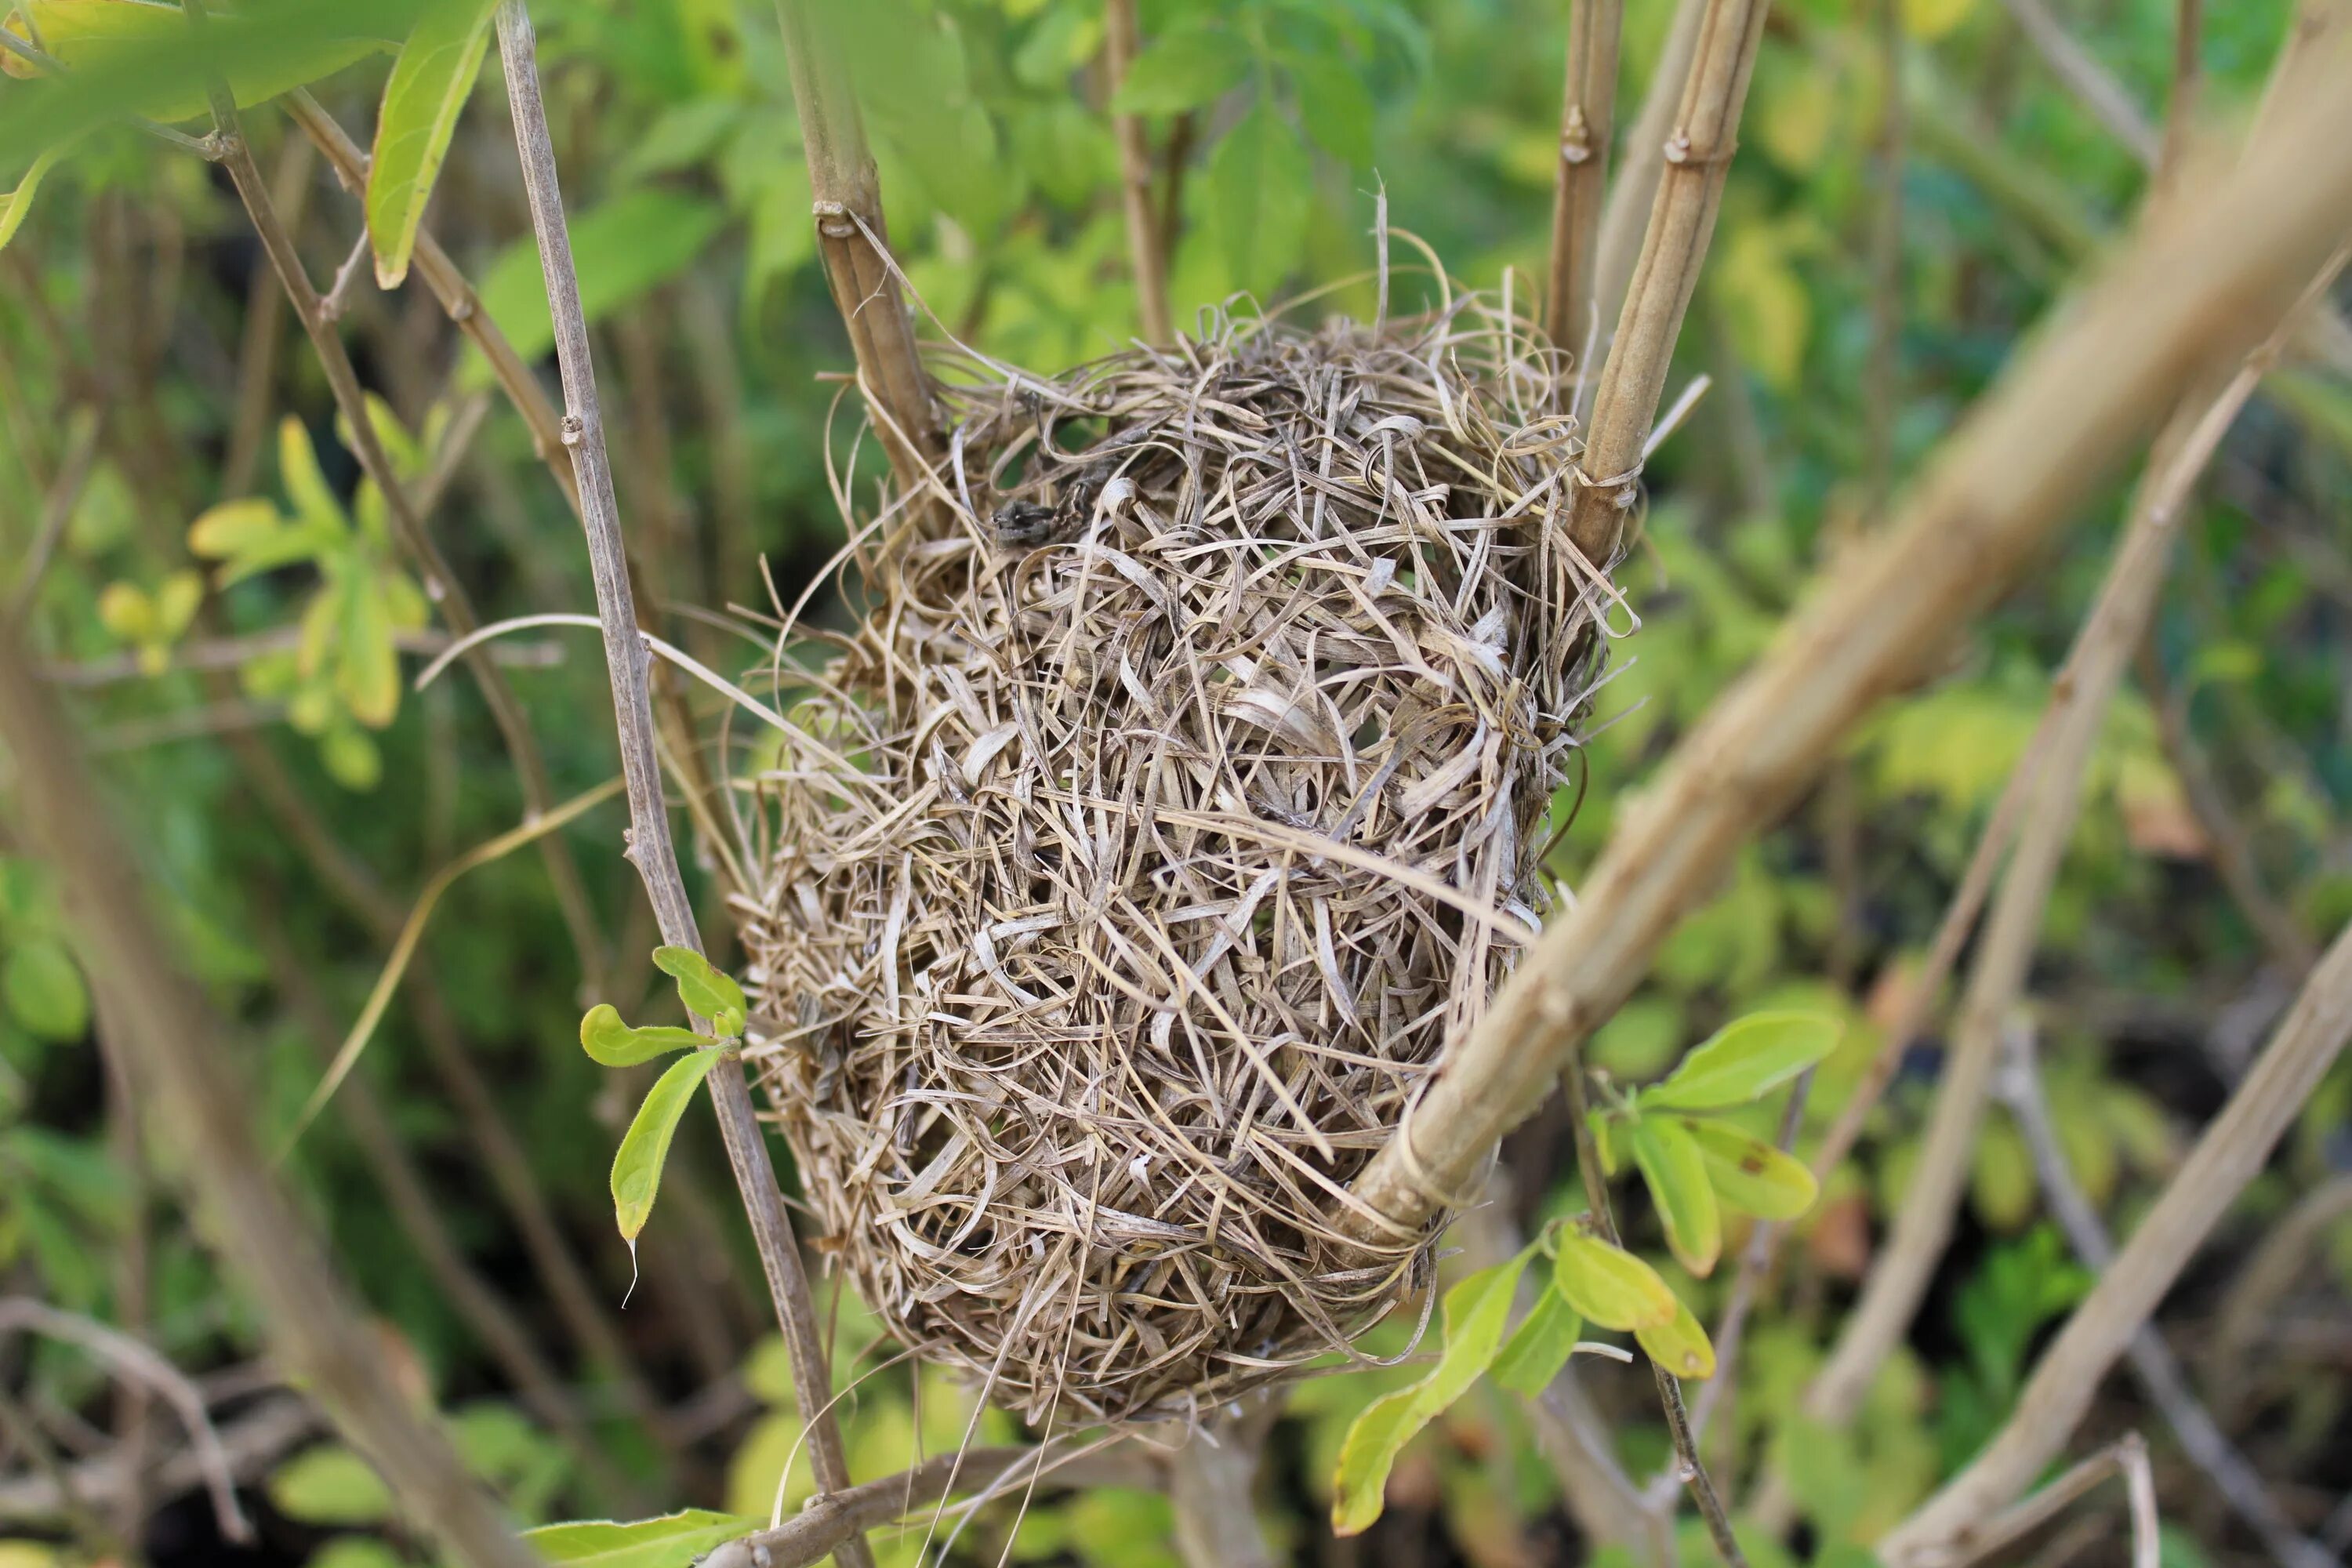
(1165, 815)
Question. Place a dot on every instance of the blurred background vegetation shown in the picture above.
(245, 682)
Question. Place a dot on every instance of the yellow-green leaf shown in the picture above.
(1476, 1311)
(673, 1541)
(175, 604)
(306, 486)
(330, 1485)
(1538, 1347)
(1679, 1344)
(1609, 1285)
(127, 612)
(1744, 1061)
(708, 993)
(430, 82)
(1676, 1174)
(85, 35)
(44, 990)
(16, 204)
(637, 1167)
(610, 1041)
(368, 663)
(1749, 1174)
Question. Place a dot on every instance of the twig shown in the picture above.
(851, 238)
(18, 1425)
(56, 510)
(213, 654)
(2156, 1369)
(650, 846)
(1147, 257)
(1209, 1486)
(1588, 112)
(131, 1359)
(2127, 1456)
(2233, 1149)
(408, 525)
(1687, 1468)
(2100, 93)
(265, 328)
(339, 294)
(1626, 214)
(253, 1442)
(1682, 220)
(2286, 1248)
(1898, 1280)
(2195, 292)
(167, 1029)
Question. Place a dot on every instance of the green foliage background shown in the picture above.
(129, 300)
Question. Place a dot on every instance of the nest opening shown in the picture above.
(1173, 801)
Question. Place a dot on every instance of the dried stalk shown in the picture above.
(650, 846)
(2193, 293)
(2155, 1368)
(164, 1025)
(1898, 1280)
(1682, 220)
(1588, 111)
(854, 242)
(2235, 1148)
(1624, 216)
(455, 606)
(1148, 256)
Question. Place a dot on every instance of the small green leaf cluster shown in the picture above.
(1592, 1280)
(708, 994)
(342, 676)
(1695, 1164)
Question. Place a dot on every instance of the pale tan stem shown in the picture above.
(2231, 1151)
(1587, 112)
(2194, 293)
(1626, 212)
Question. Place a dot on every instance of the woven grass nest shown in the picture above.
(1174, 802)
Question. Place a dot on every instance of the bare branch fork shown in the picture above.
(651, 849)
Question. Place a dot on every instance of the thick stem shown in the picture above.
(1587, 112)
(651, 849)
(2192, 295)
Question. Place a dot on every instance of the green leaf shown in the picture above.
(349, 755)
(1745, 1060)
(673, 1541)
(623, 248)
(1335, 105)
(45, 990)
(1749, 1174)
(429, 85)
(305, 484)
(614, 1044)
(1259, 190)
(1679, 1344)
(1476, 1309)
(708, 993)
(636, 1169)
(367, 664)
(1538, 1347)
(1182, 71)
(16, 204)
(1676, 1174)
(1609, 1285)
(330, 1485)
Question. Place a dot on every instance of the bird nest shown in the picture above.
(1177, 798)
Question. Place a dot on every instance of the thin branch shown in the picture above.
(1624, 217)
(166, 1028)
(1899, 1279)
(1682, 221)
(133, 1358)
(650, 846)
(455, 606)
(265, 328)
(2155, 1368)
(1588, 112)
(2232, 1151)
(2286, 1248)
(252, 1442)
(57, 511)
(339, 293)
(1147, 257)
(2194, 293)
(2100, 93)
(852, 237)
(1210, 1481)
(2127, 1456)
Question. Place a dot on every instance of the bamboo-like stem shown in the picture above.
(1587, 112)
(2157, 1370)
(651, 849)
(2192, 294)
(1147, 257)
(2231, 1151)
(1682, 221)
(2094, 666)
(853, 241)
(168, 1030)
(455, 606)
(1625, 214)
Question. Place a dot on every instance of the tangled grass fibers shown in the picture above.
(1170, 808)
